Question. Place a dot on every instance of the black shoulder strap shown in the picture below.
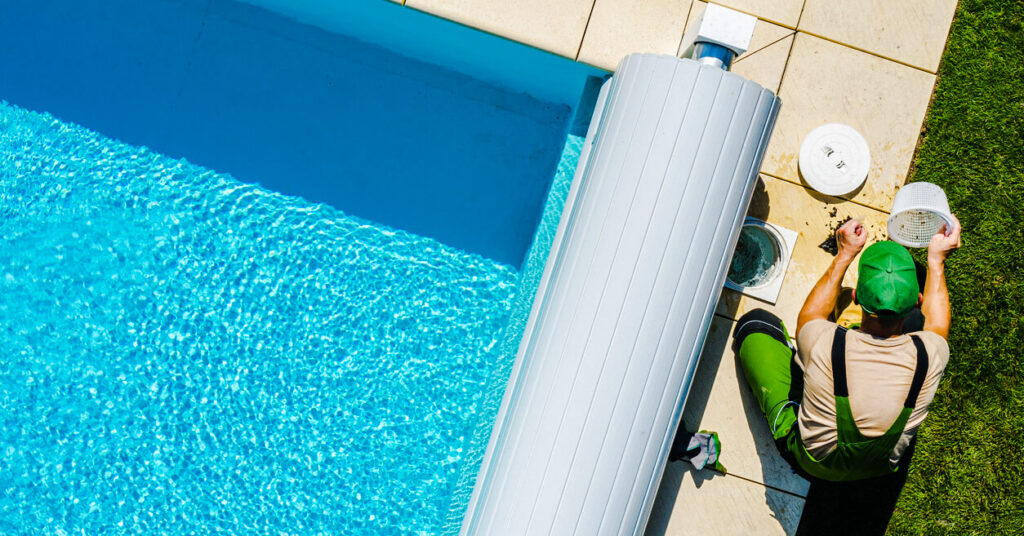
(839, 362)
(919, 373)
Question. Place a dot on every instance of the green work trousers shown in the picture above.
(766, 355)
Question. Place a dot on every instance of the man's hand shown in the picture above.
(944, 242)
(851, 237)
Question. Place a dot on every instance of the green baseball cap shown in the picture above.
(887, 283)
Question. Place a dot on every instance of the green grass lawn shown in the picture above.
(967, 475)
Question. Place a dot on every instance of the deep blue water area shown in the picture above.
(299, 110)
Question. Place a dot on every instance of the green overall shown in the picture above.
(855, 456)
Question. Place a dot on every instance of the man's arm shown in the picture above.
(851, 237)
(935, 302)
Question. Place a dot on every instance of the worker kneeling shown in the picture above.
(845, 404)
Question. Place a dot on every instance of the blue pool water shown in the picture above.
(304, 328)
(187, 353)
(376, 132)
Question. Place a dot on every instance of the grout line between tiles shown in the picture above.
(785, 66)
(789, 55)
(868, 52)
(861, 203)
(720, 315)
(801, 15)
(686, 22)
(586, 27)
(749, 54)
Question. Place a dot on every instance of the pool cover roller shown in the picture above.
(620, 317)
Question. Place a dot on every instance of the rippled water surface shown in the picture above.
(184, 353)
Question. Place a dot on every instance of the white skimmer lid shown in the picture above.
(834, 159)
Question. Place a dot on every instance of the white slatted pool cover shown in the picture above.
(629, 289)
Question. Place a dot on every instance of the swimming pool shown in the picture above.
(190, 351)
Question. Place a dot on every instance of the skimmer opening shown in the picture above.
(758, 257)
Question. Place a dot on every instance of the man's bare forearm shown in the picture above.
(935, 304)
(935, 301)
(822, 299)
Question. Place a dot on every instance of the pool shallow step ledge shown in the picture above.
(642, 251)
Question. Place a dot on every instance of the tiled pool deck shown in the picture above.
(868, 63)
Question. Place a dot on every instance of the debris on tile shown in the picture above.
(830, 244)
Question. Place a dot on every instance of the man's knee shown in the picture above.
(759, 321)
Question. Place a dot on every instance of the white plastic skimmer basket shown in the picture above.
(918, 212)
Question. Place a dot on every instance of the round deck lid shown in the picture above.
(834, 159)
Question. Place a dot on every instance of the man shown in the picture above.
(847, 403)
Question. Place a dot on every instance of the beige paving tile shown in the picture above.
(618, 28)
(720, 400)
(702, 502)
(765, 61)
(784, 12)
(885, 101)
(813, 216)
(553, 26)
(912, 32)
(766, 65)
